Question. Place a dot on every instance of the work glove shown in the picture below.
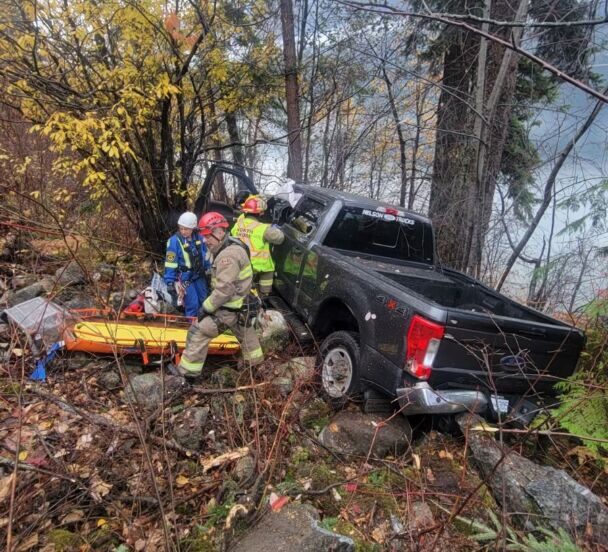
(202, 312)
(173, 293)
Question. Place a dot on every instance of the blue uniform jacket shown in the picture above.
(178, 261)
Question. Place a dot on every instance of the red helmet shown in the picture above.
(255, 205)
(210, 221)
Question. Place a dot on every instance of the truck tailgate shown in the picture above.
(504, 354)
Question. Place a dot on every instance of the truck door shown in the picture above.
(224, 188)
(291, 256)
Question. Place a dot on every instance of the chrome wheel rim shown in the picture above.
(337, 372)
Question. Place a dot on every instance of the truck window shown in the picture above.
(374, 232)
(306, 215)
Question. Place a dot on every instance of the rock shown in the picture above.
(76, 299)
(244, 469)
(109, 380)
(70, 275)
(294, 527)
(275, 334)
(146, 389)
(224, 377)
(104, 272)
(538, 495)
(119, 300)
(314, 412)
(23, 280)
(421, 516)
(37, 289)
(354, 433)
(189, 427)
(302, 368)
(284, 384)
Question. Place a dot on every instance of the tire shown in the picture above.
(340, 372)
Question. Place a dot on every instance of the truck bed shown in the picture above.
(491, 341)
(453, 291)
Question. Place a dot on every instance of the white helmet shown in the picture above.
(188, 220)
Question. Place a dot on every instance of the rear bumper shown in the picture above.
(423, 399)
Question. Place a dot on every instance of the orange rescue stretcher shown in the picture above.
(104, 332)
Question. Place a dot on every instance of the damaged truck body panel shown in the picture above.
(364, 275)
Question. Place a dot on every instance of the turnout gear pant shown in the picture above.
(264, 282)
(202, 332)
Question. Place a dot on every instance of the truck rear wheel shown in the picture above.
(340, 371)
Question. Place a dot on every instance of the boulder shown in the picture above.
(109, 380)
(37, 289)
(146, 389)
(224, 377)
(189, 427)
(302, 368)
(313, 412)
(294, 527)
(536, 495)
(351, 432)
(273, 331)
(70, 275)
(284, 384)
(420, 516)
(244, 469)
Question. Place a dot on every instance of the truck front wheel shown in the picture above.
(340, 372)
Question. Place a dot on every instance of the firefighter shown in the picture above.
(186, 263)
(226, 306)
(258, 236)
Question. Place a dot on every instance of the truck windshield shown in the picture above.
(376, 232)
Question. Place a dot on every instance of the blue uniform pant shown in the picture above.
(196, 293)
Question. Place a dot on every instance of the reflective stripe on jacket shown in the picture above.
(178, 263)
(231, 278)
(252, 232)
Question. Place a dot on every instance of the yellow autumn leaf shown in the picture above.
(181, 480)
(101, 522)
(23, 456)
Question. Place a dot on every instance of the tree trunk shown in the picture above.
(471, 139)
(294, 164)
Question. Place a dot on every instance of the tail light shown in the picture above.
(423, 338)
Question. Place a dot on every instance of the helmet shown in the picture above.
(187, 220)
(256, 205)
(211, 221)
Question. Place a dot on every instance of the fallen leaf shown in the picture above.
(73, 516)
(28, 543)
(210, 463)
(23, 456)
(379, 535)
(5, 486)
(99, 488)
(277, 502)
(336, 494)
(416, 459)
(47, 424)
(333, 427)
(446, 454)
(101, 522)
(350, 487)
(140, 545)
(181, 480)
(429, 475)
(234, 513)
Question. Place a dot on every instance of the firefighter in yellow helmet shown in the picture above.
(258, 236)
(226, 307)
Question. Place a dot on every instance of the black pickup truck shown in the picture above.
(364, 276)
